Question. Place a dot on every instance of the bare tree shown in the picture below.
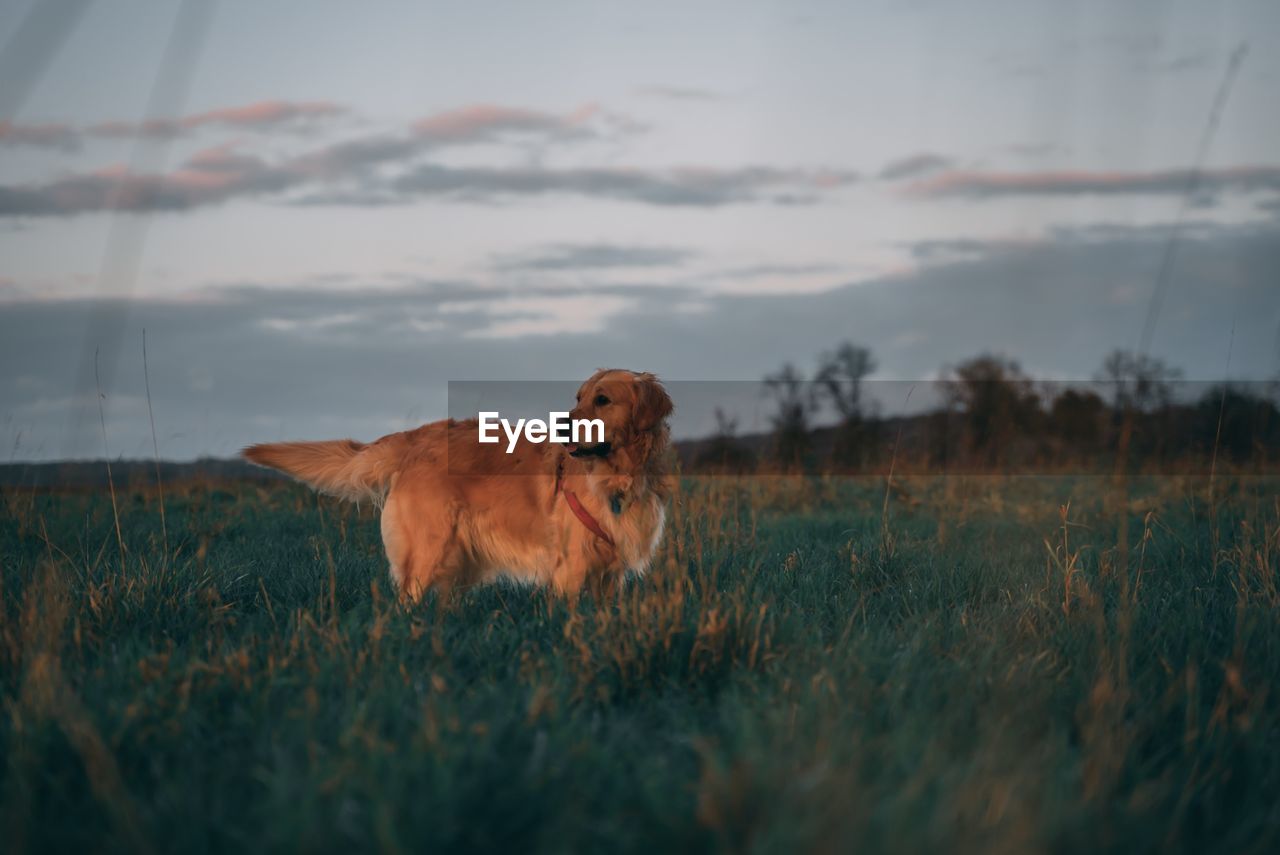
(791, 421)
(997, 401)
(723, 452)
(839, 382)
(1139, 382)
(840, 375)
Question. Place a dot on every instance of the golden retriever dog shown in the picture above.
(456, 511)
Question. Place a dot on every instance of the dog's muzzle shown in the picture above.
(601, 449)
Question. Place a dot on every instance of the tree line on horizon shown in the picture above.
(993, 415)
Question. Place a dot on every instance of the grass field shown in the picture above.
(975, 664)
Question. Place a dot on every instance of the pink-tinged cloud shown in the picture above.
(478, 123)
(258, 116)
(265, 113)
(483, 120)
(987, 185)
(475, 124)
(52, 135)
(225, 159)
(386, 169)
(209, 177)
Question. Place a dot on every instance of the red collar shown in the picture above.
(583, 515)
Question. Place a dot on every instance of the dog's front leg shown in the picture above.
(606, 585)
(569, 576)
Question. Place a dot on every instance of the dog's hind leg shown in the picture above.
(396, 542)
(436, 562)
(422, 543)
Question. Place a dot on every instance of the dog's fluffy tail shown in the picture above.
(342, 467)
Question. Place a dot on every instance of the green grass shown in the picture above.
(799, 673)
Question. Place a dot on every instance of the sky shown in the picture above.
(322, 213)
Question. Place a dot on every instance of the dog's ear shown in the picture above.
(653, 404)
(586, 384)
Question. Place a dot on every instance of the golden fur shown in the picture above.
(455, 511)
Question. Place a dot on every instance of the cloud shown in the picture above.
(52, 135)
(542, 315)
(684, 187)
(474, 124)
(337, 176)
(263, 115)
(207, 178)
(988, 185)
(596, 256)
(953, 249)
(479, 123)
(466, 125)
(353, 156)
(388, 168)
(1153, 236)
(915, 165)
(257, 116)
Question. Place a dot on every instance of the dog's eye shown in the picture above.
(602, 401)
